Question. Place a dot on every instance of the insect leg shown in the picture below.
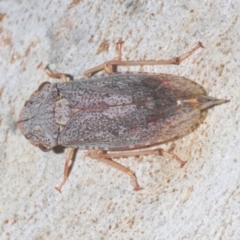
(119, 49)
(67, 167)
(107, 158)
(144, 151)
(108, 66)
(103, 156)
(171, 155)
(62, 76)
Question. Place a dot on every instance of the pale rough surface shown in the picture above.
(200, 201)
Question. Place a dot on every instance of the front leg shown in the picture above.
(50, 74)
(67, 167)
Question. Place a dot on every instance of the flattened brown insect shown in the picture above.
(116, 112)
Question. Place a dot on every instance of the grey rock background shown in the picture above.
(199, 201)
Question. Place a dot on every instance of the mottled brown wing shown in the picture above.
(128, 110)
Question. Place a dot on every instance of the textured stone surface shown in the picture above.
(199, 201)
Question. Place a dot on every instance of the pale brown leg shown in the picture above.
(107, 158)
(62, 76)
(102, 156)
(171, 155)
(67, 166)
(108, 66)
(119, 49)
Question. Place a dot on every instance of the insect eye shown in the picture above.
(43, 148)
(28, 135)
(43, 85)
(27, 103)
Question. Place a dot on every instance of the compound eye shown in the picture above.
(43, 148)
(43, 85)
(28, 103)
(28, 135)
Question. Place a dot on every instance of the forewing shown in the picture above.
(128, 110)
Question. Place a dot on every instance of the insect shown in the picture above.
(113, 115)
